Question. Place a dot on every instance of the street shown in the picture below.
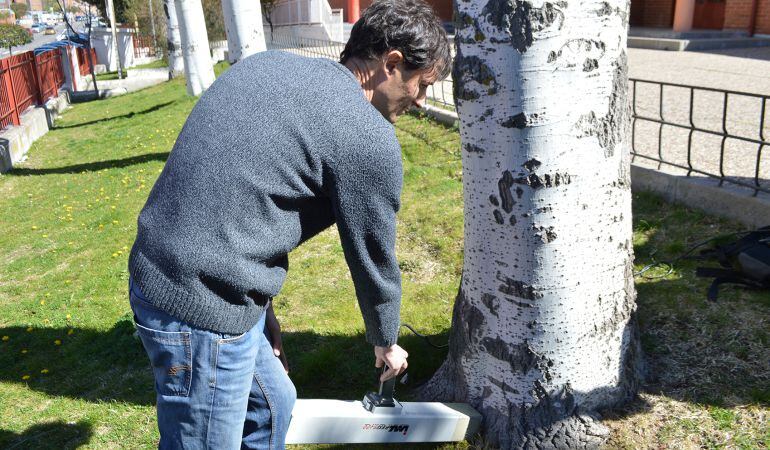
(38, 39)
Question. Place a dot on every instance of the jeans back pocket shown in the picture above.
(171, 358)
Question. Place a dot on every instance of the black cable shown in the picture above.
(406, 325)
(685, 254)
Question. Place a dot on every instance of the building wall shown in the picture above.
(443, 8)
(738, 15)
(658, 13)
(35, 5)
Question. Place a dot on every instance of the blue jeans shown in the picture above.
(214, 390)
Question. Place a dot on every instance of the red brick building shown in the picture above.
(750, 16)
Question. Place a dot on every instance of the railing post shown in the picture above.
(8, 85)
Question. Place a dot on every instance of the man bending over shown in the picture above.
(279, 148)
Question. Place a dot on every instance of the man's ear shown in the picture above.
(392, 59)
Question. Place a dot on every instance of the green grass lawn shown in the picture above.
(72, 374)
(158, 64)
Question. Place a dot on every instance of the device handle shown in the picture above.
(387, 387)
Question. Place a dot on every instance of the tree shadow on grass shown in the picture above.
(105, 366)
(122, 116)
(58, 435)
(97, 365)
(698, 351)
(92, 166)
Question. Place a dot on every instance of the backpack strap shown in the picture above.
(722, 276)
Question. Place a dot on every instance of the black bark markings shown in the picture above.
(590, 64)
(468, 69)
(517, 288)
(491, 302)
(473, 148)
(505, 387)
(547, 180)
(519, 20)
(520, 120)
(546, 234)
(504, 186)
(613, 126)
(507, 201)
(531, 165)
(591, 46)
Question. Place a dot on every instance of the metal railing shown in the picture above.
(314, 48)
(704, 131)
(144, 45)
(699, 131)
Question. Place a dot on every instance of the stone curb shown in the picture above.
(16, 141)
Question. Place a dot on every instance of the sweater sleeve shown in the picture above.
(365, 190)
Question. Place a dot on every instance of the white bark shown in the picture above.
(195, 46)
(173, 41)
(543, 331)
(243, 25)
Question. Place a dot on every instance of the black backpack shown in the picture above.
(745, 262)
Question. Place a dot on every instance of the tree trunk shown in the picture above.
(195, 46)
(173, 41)
(243, 25)
(543, 331)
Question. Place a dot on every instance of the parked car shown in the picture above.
(36, 28)
(50, 30)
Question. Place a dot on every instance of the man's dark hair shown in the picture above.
(409, 26)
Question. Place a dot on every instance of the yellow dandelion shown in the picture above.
(67, 281)
(45, 235)
(68, 316)
(115, 222)
(42, 302)
(5, 338)
(29, 329)
(34, 227)
(24, 351)
(44, 371)
(25, 377)
(57, 342)
(125, 247)
(101, 225)
(113, 206)
(70, 332)
(70, 243)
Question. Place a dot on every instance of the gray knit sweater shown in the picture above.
(279, 148)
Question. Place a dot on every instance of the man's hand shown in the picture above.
(274, 329)
(395, 358)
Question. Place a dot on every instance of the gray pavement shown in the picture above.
(743, 70)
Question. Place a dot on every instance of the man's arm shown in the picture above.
(365, 189)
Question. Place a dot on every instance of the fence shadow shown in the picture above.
(122, 116)
(40, 436)
(92, 166)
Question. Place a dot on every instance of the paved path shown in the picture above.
(744, 70)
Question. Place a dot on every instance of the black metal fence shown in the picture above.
(316, 48)
(693, 130)
(710, 132)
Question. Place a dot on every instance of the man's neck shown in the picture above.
(364, 73)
